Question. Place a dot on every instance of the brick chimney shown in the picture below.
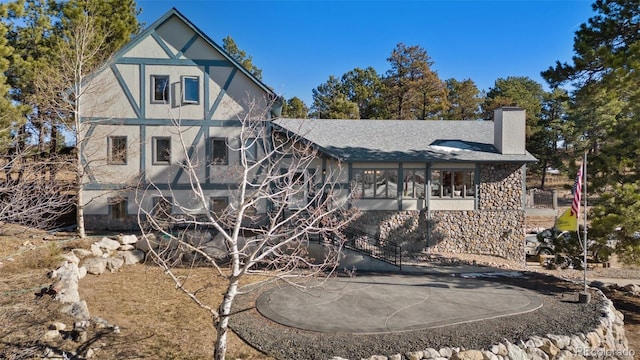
(509, 130)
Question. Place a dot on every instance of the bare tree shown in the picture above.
(62, 88)
(29, 194)
(281, 204)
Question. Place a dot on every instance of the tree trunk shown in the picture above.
(53, 146)
(79, 197)
(223, 321)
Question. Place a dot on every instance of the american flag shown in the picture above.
(576, 190)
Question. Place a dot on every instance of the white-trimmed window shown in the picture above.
(118, 208)
(219, 151)
(376, 183)
(453, 184)
(190, 89)
(161, 150)
(117, 150)
(160, 89)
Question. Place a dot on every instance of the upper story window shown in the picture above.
(376, 184)
(453, 183)
(117, 150)
(161, 150)
(160, 87)
(190, 89)
(219, 151)
(414, 183)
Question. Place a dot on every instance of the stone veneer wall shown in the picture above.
(606, 341)
(496, 228)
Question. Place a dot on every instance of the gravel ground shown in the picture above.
(560, 314)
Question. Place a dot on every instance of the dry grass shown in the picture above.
(156, 320)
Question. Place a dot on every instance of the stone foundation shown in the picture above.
(484, 232)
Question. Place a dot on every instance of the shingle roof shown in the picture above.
(402, 140)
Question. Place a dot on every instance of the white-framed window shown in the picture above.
(414, 183)
(190, 89)
(453, 183)
(219, 151)
(117, 150)
(376, 183)
(117, 208)
(160, 89)
(161, 150)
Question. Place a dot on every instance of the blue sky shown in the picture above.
(298, 44)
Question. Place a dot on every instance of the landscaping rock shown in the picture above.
(126, 247)
(51, 336)
(127, 239)
(96, 250)
(114, 264)
(108, 244)
(95, 266)
(78, 310)
(147, 242)
(131, 257)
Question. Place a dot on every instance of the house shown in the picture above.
(455, 186)
(169, 74)
(452, 186)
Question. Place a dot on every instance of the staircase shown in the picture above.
(367, 244)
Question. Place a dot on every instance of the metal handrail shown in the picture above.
(367, 244)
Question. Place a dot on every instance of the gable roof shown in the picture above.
(174, 12)
(402, 140)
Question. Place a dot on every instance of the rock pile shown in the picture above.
(106, 254)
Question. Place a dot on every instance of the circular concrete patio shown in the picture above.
(373, 304)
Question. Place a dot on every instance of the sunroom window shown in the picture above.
(453, 184)
(376, 183)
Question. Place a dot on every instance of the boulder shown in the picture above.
(147, 242)
(70, 257)
(114, 264)
(468, 355)
(66, 286)
(59, 326)
(95, 266)
(96, 250)
(131, 257)
(127, 239)
(51, 336)
(78, 310)
(108, 244)
(83, 253)
(126, 247)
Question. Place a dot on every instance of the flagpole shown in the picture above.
(584, 174)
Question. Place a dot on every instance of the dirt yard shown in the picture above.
(155, 320)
